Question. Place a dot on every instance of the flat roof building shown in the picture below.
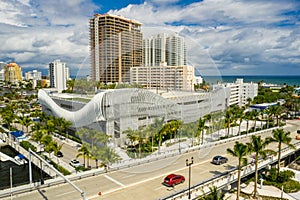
(114, 111)
(240, 91)
(12, 73)
(115, 47)
(164, 77)
(164, 48)
(58, 74)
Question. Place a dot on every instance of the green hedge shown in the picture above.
(26, 145)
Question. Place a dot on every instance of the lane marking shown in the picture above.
(159, 188)
(113, 180)
(129, 176)
(65, 193)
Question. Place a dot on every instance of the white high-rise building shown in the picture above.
(159, 48)
(58, 75)
(240, 91)
(33, 75)
(2, 77)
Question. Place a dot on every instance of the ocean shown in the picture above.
(278, 80)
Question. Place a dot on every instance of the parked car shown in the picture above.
(59, 154)
(75, 163)
(218, 160)
(173, 179)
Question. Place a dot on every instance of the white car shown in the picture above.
(75, 163)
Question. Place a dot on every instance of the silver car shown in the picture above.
(218, 160)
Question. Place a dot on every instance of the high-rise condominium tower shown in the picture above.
(115, 47)
(164, 48)
(59, 74)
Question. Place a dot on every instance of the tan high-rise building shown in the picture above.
(12, 73)
(164, 77)
(115, 47)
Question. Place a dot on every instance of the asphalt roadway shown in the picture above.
(145, 181)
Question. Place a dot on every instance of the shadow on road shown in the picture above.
(41, 192)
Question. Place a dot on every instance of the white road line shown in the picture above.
(113, 180)
(128, 176)
(65, 193)
(159, 187)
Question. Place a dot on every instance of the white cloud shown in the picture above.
(227, 34)
(222, 35)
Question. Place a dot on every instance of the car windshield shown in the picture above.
(167, 179)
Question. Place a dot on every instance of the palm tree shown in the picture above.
(63, 125)
(213, 195)
(51, 124)
(239, 116)
(248, 116)
(269, 115)
(228, 120)
(278, 111)
(8, 115)
(254, 114)
(257, 146)
(133, 137)
(208, 118)
(48, 142)
(240, 151)
(200, 130)
(83, 152)
(56, 148)
(157, 127)
(26, 121)
(281, 137)
(108, 155)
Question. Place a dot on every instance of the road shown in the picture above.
(144, 181)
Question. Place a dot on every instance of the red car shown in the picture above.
(173, 179)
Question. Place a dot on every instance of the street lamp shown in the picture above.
(189, 165)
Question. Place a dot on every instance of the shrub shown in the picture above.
(272, 175)
(26, 145)
(284, 176)
(291, 186)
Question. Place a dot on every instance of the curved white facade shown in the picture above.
(114, 111)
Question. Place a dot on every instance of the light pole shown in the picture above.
(189, 165)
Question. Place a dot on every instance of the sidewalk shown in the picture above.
(266, 190)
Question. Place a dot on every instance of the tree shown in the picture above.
(157, 128)
(208, 118)
(56, 148)
(213, 195)
(26, 121)
(108, 155)
(228, 119)
(240, 151)
(136, 136)
(8, 115)
(255, 115)
(257, 146)
(248, 116)
(83, 152)
(63, 125)
(200, 130)
(281, 137)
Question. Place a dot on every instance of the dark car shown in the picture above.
(173, 179)
(218, 160)
(59, 154)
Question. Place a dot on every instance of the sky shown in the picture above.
(223, 37)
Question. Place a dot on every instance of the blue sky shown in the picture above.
(224, 37)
